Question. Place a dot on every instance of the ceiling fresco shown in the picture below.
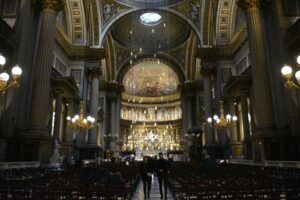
(150, 78)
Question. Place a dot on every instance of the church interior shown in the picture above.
(210, 84)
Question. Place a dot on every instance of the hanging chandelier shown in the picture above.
(5, 81)
(287, 73)
(222, 122)
(79, 122)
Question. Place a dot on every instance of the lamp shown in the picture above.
(5, 82)
(287, 73)
(79, 122)
(222, 122)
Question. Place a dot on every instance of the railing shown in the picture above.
(271, 163)
(18, 165)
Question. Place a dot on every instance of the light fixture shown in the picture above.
(287, 73)
(222, 122)
(4, 77)
(79, 122)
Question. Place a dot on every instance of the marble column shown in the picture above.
(112, 122)
(39, 120)
(70, 133)
(40, 109)
(246, 124)
(209, 132)
(262, 107)
(58, 110)
(93, 133)
(244, 110)
(262, 100)
(235, 145)
(189, 111)
(117, 122)
(210, 141)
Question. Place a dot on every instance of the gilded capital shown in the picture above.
(248, 4)
(95, 72)
(54, 5)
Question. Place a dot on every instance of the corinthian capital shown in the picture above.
(248, 4)
(54, 5)
(95, 72)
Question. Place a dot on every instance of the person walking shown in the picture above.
(146, 171)
(163, 169)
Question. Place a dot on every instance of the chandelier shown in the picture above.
(222, 122)
(5, 81)
(79, 122)
(287, 73)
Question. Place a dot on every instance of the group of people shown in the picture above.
(161, 168)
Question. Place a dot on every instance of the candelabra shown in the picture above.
(287, 73)
(5, 81)
(79, 122)
(222, 122)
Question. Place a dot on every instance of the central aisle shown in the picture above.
(154, 194)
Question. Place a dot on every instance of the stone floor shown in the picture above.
(154, 193)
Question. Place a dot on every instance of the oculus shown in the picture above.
(150, 19)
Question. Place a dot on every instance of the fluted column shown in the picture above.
(40, 109)
(112, 122)
(58, 109)
(244, 109)
(263, 117)
(93, 133)
(233, 130)
(209, 133)
(236, 146)
(117, 122)
(70, 133)
(189, 111)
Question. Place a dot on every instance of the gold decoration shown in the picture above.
(287, 75)
(79, 122)
(248, 4)
(54, 5)
(222, 122)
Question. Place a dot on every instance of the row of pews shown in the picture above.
(224, 181)
(109, 181)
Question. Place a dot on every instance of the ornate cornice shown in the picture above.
(78, 52)
(248, 4)
(54, 5)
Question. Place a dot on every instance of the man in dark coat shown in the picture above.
(146, 171)
(163, 169)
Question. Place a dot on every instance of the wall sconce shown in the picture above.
(5, 81)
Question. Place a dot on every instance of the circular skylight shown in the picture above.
(150, 19)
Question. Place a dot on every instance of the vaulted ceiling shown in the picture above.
(189, 29)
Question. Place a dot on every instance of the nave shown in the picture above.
(117, 181)
(154, 193)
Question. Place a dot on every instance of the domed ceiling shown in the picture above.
(150, 78)
(149, 3)
(131, 31)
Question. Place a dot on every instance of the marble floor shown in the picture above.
(154, 193)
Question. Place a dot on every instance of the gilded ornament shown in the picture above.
(54, 5)
(248, 4)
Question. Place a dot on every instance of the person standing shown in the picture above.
(163, 169)
(146, 171)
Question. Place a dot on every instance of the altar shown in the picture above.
(139, 154)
